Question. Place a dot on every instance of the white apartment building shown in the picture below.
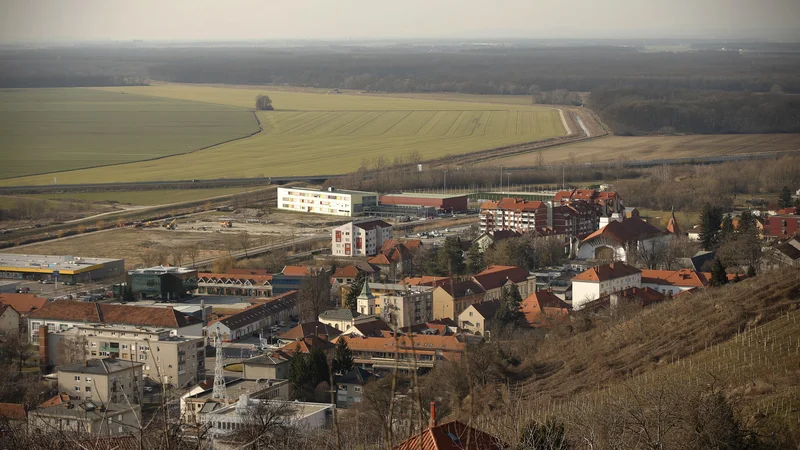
(603, 280)
(397, 304)
(360, 238)
(332, 201)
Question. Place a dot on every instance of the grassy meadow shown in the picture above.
(325, 133)
(142, 198)
(50, 130)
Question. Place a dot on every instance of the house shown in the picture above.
(348, 274)
(245, 285)
(13, 417)
(359, 238)
(400, 305)
(414, 351)
(451, 299)
(64, 314)
(63, 415)
(199, 403)
(607, 202)
(255, 318)
(350, 386)
(476, 318)
(426, 280)
(631, 212)
(615, 240)
(307, 345)
(341, 319)
(171, 360)
(640, 297)
(486, 240)
(105, 380)
(543, 308)
(368, 326)
(513, 214)
(451, 436)
(337, 202)
(292, 277)
(308, 329)
(496, 278)
(273, 365)
(24, 304)
(781, 226)
(694, 233)
(603, 280)
(785, 254)
(9, 320)
(394, 257)
(673, 282)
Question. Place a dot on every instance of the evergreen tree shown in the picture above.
(785, 198)
(306, 371)
(449, 257)
(508, 313)
(475, 259)
(726, 230)
(343, 358)
(718, 275)
(747, 223)
(351, 300)
(711, 221)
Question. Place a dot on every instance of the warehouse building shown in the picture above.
(332, 201)
(64, 268)
(441, 202)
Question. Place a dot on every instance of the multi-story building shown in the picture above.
(400, 305)
(513, 214)
(332, 201)
(409, 351)
(199, 403)
(360, 238)
(573, 219)
(163, 282)
(62, 415)
(496, 278)
(451, 299)
(255, 318)
(62, 315)
(781, 226)
(607, 202)
(172, 360)
(247, 285)
(102, 381)
(603, 280)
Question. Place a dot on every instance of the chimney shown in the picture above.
(44, 349)
(433, 415)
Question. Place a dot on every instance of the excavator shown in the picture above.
(171, 225)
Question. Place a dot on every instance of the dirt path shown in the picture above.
(564, 122)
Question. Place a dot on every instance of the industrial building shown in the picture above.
(69, 269)
(331, 201)
(441, 202)
(162, 282)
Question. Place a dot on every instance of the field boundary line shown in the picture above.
(564, 122)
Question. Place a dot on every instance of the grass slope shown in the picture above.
(318, 133)
(46, 130)
(142, 198)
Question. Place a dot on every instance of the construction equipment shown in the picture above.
(226, 224)
(171, 225)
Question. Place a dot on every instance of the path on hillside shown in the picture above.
(564, 122)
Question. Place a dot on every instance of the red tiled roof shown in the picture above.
(299, 271)
(13, 411)
(346, 272)
(451, 436)
(23, 303)
(75, 311)
(374, 327)
(463, 288)
(426, 280)
(541, 307)
(607, 272)
(55, 401)
(682, 277)
(305, 345)
(379, 260)
(630, 229)
(497, 276)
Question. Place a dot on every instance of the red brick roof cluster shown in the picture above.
(630, 229)
(607, 272)
(23, 303)
(75, 311)
(451, 436)
(542, 308)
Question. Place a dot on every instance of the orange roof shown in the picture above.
(55, 401)
(541, 307)
(305, 345)
(409, 244)
(451, 436)
(300, 271)
(12, 411)
(497, 276)
(515, 204)
(630, 229)
(682, 277)
(426, 280)
(306, 329)
(23, 303)
(379, 260)
(672, 226)
(346, 272)
(607, 272)
(70, 310)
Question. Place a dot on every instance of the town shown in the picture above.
(380, 304)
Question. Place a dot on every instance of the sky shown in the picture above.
(88, 20)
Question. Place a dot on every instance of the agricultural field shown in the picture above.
(142, 198)
(325, 133)
(52, 130)
(613, 148)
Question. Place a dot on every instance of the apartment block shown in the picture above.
(102, 381)
(360, 238)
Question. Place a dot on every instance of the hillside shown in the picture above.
(727, 358)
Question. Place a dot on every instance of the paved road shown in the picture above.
(269, 247)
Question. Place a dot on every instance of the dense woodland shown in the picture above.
(704, 91)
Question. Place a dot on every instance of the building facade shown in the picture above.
(603, 280)
(451, 299)
(102, 381)
(255, 318)
(163, 282)
(441, 202)
(360, 238)
(332, 201)
(513, 214)
(781, 226)
(72, 269)
(86, 417)
(399, 305)
(496, 278)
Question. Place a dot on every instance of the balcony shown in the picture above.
(108, 348)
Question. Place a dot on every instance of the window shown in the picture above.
(77, 378)
(88, 389)
(356, 388)
(88, 379)
(77, 388)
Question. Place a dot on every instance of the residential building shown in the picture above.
(441, 202)
(673, 282)
(308, 329)
(400, 305)
(163, 282)
(450, 300)
(199, 402)
(350, 386)
(451, 436)
(102, 381)
(234, 284)
(64, 314)
(476, 318)
(395, 257)
(413, 351)
(307, 345)
(543, 309)
(513, 214)
(167, 359)
(9, 320)
(487, 239)
(426, 280)
(606, 202)
(496, 278)
(341, 319)
(603, 280)
(784, 254)
(640, 297)
(72, 269)
(781, 226)
(614, 241)
(254, 319)
(348, 274)
(360, 238)
(292, 277)
(331, 201)
(24, 304)
(86, 417)
(368, 326)
(273, 365)
(574, 219)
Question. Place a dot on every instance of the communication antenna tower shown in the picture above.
(219, 378)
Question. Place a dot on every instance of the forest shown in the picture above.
(637, 92)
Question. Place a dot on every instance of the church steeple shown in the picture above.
(365, 292)
(672, 226)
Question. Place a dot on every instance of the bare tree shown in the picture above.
(314, 296)
(243, 238)
(192, 252)
(71, 350)
(178, 252)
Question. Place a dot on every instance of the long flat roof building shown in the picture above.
(337, 202)
(66, 268)
(442, 202)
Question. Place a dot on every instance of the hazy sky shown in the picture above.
(24, 20)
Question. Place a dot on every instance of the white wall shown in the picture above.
(583, 292)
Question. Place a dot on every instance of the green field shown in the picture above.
(321, 133)
(143, 198)
(48, 130)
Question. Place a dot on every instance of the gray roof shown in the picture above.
(83, 409)
(356, 375)
(339, 314)
(103, 366)
(487, 309)
(270, 359)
